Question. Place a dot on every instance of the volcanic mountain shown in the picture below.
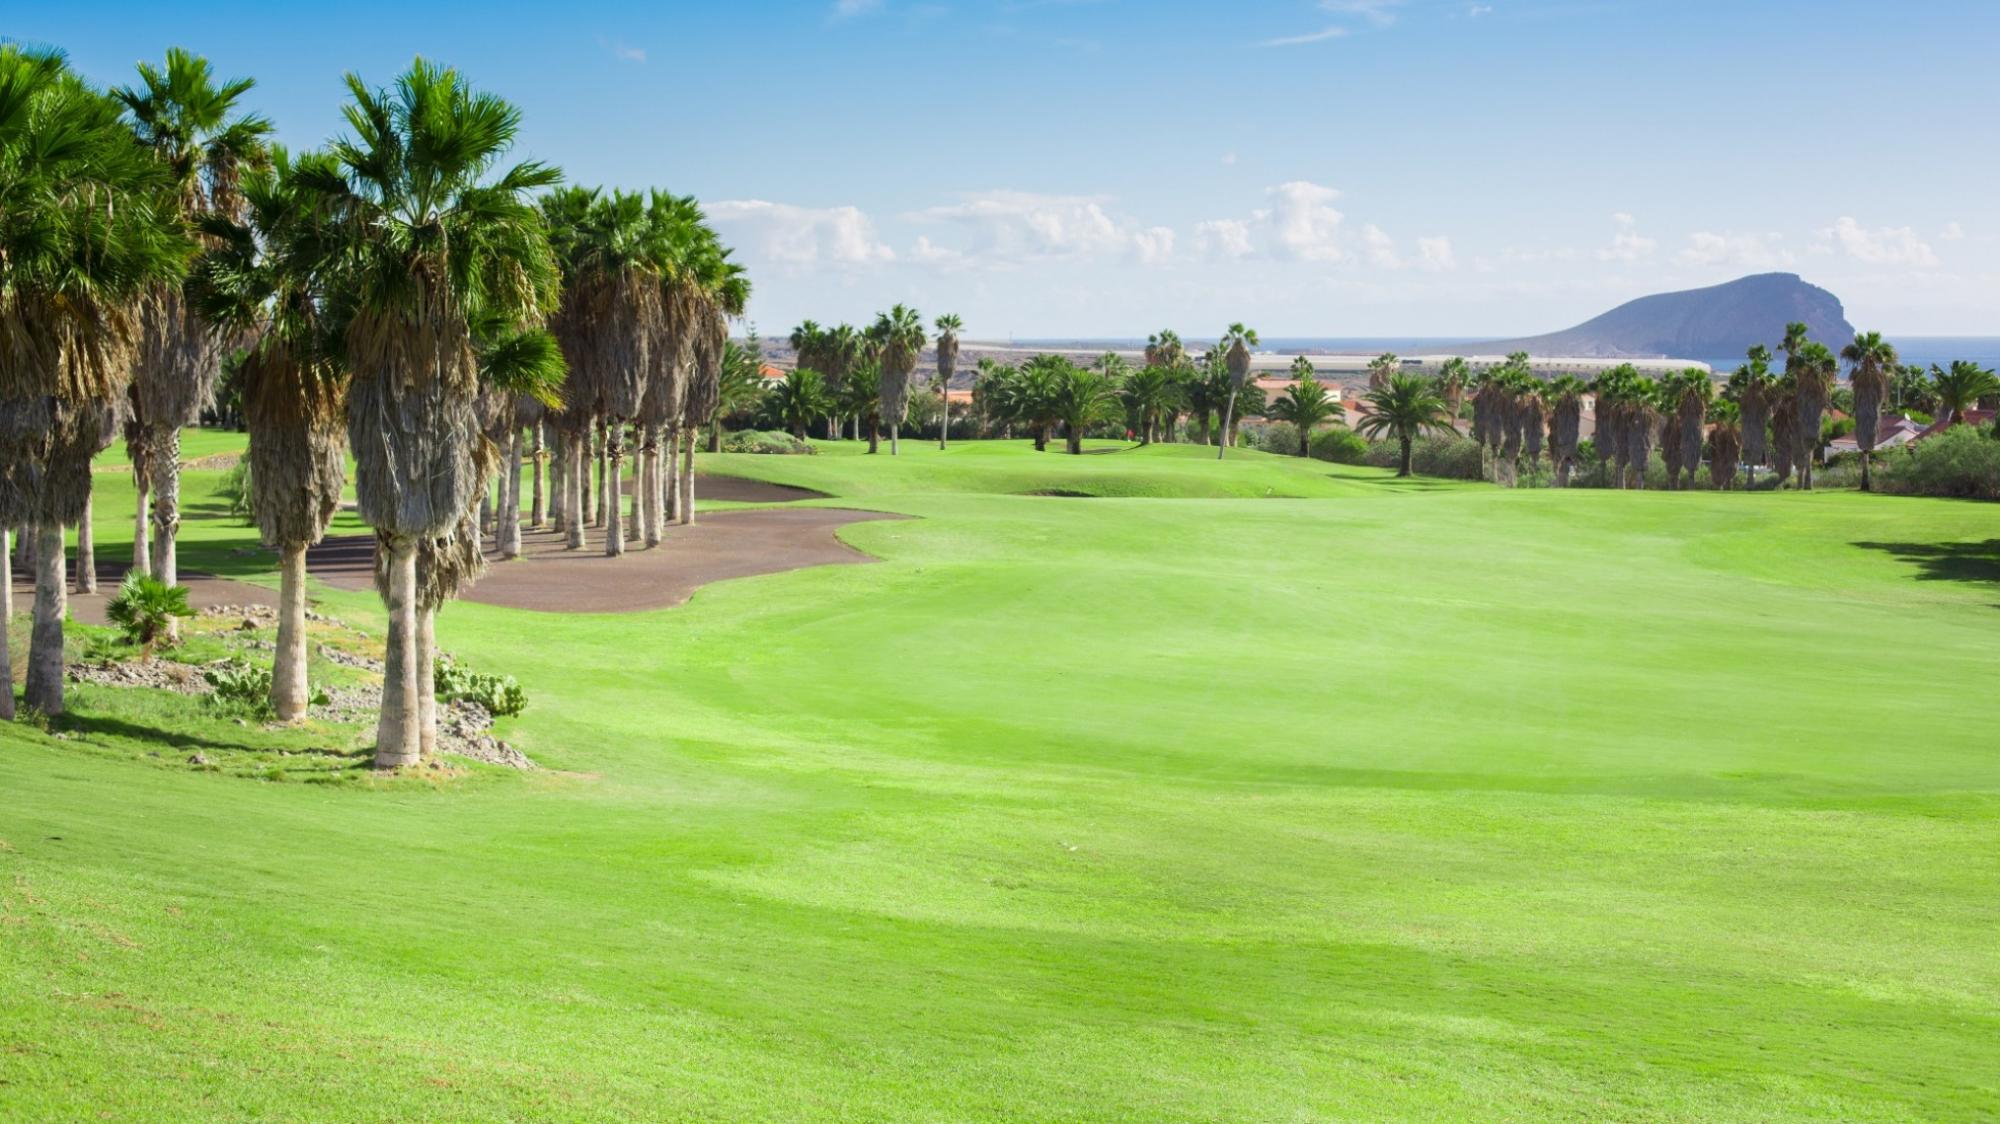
(1697, 323)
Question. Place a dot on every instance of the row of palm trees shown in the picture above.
(405, 295)
(863, 376)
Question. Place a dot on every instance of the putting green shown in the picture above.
(1387, 800)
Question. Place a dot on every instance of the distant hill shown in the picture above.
(1698, 323)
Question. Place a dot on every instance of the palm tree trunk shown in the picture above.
(633, 525)
(894, 447)
(427, 714)
(397, 739)
(687, 477)
(1406, 467)
(510, 508)
(538, 512)
(558, 489)
(86, 550)
(6, 628)
(648, 487)
(874, 436)
(1074, 440)
(166, 473)
(142, 555)
(614, 459)
(1228, 419)
(45, 643)
(715, 435)
(1867, 480)
(670, 509)
(576, 474)
(488, 519)
(289, 693)
(944, 413)
(600, 516)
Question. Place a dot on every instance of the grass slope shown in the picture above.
(1388, 802)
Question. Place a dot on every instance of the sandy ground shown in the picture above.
(721, 545)
(550, 578)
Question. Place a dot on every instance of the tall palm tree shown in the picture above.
(719, 292)
(742, 385)
(1380, 368)
(1452, 380)
(1874, 362)
(1565, 397)
(1306, 404)
(1152, 393)
(1235, 346)
(269, 278)
(87, 225)
(810, 352)
(1405, 408)
(1959, 388)
(948, 327)
(438, 243)
(193, 126)
(1750, 389)
(898, 335)
(1814, 369)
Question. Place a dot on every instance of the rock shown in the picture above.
(197, 759)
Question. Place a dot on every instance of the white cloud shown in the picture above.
(1228, 159)
(800, 237)
(1952, 232)
(1435, 254)
(621, 51)
(1380, 247)
(1888, 245)
(1379, 12)
(1223, 238)
(1755, 251)
(1010, 227)
(848, 9)
(1306, 225)
(1320, 36)
(1478, 10)
(1627, 244)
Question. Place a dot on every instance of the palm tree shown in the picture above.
(1080, 398)
(718, 292)
(948, 327)
(268, 279)
(1151, 393)
(1911, 390)
(809, 352)
(85, 229)
(1725, 438)
(1306, 404)
(1452, 380)
(1750, 388)
(1565, 397)
(1814, 368)
(1874, 361)
(1380, 368)
(1406, 407)
(742, 385)
(193, 127)
(1960, 387)
(1165, 350)
(437, 244)
(898, 335)
(799, 399)
(1235, 346)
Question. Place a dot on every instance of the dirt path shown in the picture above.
(203, 592)
(720, 546)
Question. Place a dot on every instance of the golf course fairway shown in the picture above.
(1124, 786)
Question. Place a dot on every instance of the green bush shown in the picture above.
(499, 694)
(144, 609)
(240, 685)
(235, 492)
(1454, 458)
(1280, 437)
(765, 441)
(1958, 462)
(1341, 446)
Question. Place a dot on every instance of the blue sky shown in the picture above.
(1313, 167)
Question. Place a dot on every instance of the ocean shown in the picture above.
(1942, 350)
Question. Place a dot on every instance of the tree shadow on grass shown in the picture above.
(1975, 563)
(1402, 483)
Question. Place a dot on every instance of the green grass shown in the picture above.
(1394, 801)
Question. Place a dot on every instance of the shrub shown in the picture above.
(765, 441)
(1958, 462)
(240, 685)
(497, 693)
(144, 609)
(1341, 446)
(1453, 458)
(235, 492)
(1280, 437)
